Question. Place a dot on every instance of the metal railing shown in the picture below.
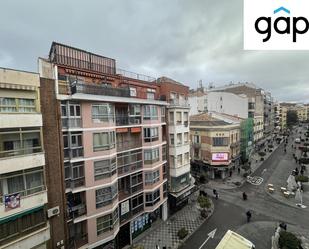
(178, 102)
(196, 145)
(125, 193)
(128, 120)
(97, 89)
(75, 183)
(22, 151)
(78, 240)
(77, 210)
(136, 76)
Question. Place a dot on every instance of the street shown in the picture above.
(230, 209)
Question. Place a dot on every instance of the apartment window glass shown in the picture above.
(105, 196)
(179, 138)
(74, 110)
(178, 118)
(220, 141)
(196, 139)
(103, 141)
(152, 198)
(129, 161)
(171, 117)
(172, 139)
(132, 91)
(179, 160)
(135, 110)
(64, 112)
(151, 134)
(186, 137)
(104, 168)
(137, 201)
(164, 151)
(151, 156)
(78, 170)
(17, 105)
(102, 113)
(151, 93)
(24, 182)
(152, 177)
(150, 112)
(107, 223)
(186, 158)
(163, 111)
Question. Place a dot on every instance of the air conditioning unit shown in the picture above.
(53, 211)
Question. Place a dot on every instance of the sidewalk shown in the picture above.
(238, 180)
(165, 233)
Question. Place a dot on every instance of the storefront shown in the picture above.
(179, 200)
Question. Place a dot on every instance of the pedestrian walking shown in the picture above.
(238, 170)
(249, 215)
(231, 172)
(215, 194)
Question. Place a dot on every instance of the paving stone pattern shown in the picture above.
(166, 233)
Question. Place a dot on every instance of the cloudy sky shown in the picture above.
(187, 40)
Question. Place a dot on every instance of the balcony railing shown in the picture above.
(75, 183)
(196, 145)
(73, 152)
(125, 193)
(136, 76)
(97, 89)
(78, 240)
(22, 151)
(179, 102)
(128, 120)
(77, 210)
(128, 145)
(71, 122)
(130, 168)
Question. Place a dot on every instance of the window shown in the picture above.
(186, 137)
(178, 118)
(137, 201)
(20, 141)
(150, 112)
(172, 139)
(165, 189)
(135, 110)
(196, 139)
(102, 113)
(179, 160)
(186, 118)
(104, 168)
(105, 196)
(107, 223)
(74, 110)
(24, 182)
(78, 170)
(164, 152)
(171, 117)
(179, 138)
(64, 112)
(17, 105)
(76, 139)
(151, 134)
(152, 198)
(151, 156)
(152, 177)
(186, 158)
(103, 141)
(132, 91)
(151, 93)
(129, 161)
(220, 141)
(163, 111)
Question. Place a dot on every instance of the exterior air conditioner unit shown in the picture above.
(53, 211)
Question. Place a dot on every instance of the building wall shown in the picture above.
(228, 103)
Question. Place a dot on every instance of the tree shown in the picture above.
(291, 118)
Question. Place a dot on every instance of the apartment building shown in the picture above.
(302, 112)
(256, 106)
(277, 119)
(215, 143)
(177, 114)
(198, 102)
(111, 135)
(23, 193)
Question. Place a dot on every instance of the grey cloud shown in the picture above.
(185, 40)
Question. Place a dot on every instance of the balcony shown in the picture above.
(75, 183)
(178, 102)
(130, 185)
(73, 152)
(128, 145)
(96, 89)
(76, 205)
(71, 122)
(128, 120)
(77, 234)
(196, 145)
(21, 151)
